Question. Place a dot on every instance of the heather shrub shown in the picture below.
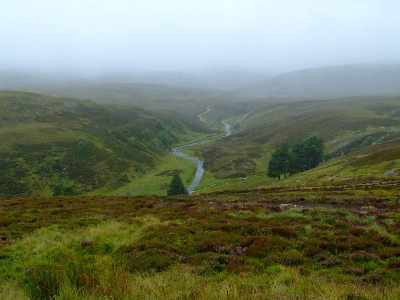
(286, 258)
(152, 260)
(151, 255)
(209, 263)
(213, 241)
(393, 264)
(284, 232)
(390, 252)
(356, 231)
(312, 250)
(329, 263)
(259, 247)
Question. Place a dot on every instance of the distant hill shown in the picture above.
(329, 82)
(182, 80)
(208, 79)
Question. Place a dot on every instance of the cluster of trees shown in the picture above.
(369, 140)
(165, 140)
(163, 143)
(302, 157)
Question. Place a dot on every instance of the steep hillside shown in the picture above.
(329, 82)
(85, 146)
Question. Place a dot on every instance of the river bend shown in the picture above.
(198, 162)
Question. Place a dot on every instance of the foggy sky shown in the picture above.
(92, 36)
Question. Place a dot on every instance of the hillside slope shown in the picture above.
(344, 124)
(47, 141)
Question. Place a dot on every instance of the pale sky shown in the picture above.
(171, 35)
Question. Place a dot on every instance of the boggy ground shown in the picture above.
(233, 245)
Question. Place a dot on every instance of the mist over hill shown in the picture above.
(317, 83)
(211, 78)
(329, 82)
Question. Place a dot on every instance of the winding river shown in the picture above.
(199, 163)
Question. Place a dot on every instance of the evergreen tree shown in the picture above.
(280, 162)
(176, 187)
(315, 151)
(273, 169)
(299, 158)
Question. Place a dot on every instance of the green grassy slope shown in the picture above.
(46, 140)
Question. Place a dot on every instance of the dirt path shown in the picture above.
(244, 117)
(200, 115)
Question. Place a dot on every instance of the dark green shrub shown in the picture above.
(82, 145)
(159, 125)
(369, 140)
(327, 156)
(64, 190)
(153, 146)
(165, 139)
(145, 136)
(131, 141)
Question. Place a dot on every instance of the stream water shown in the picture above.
(199, 163)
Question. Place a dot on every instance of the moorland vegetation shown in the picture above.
(241, 245)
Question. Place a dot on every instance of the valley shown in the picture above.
(200, 150)
(84, 212)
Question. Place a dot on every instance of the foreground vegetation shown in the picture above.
(252, 244)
